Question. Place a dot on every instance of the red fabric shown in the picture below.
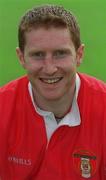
(24, 151)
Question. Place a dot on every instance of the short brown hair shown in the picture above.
(47, 16)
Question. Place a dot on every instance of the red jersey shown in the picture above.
(73, 153)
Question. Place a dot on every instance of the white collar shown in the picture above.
(72, 118)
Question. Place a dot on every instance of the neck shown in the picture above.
(59, 107)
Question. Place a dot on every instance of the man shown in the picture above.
(53, 120)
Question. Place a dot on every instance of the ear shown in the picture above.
(20, 55)
(80, 53)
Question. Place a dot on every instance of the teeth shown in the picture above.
(51, 81)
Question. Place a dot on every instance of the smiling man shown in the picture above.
(50, 59)
(52, 120)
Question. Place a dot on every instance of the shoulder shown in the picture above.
(9, 91)
(13, 85)
(93, 84)
(10, 97)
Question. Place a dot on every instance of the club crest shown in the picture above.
(85, 163)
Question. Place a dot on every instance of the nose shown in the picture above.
(50, 67)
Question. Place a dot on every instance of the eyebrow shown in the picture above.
(68, 50)
(31, 52)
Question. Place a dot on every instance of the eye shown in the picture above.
(60, 53)
(38, 55)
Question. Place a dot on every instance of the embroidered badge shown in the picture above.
(85, 163)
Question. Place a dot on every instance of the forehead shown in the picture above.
(45, 38)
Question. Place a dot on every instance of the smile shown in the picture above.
(50, 81)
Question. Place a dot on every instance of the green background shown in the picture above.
(91, 15)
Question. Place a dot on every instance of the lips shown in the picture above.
(51, 80)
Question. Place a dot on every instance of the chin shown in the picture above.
(53, 97)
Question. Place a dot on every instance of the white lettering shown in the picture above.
(21, 161)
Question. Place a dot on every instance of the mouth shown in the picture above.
(51, 80)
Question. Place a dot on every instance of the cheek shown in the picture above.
(70, 67)
(70, 62)
(71, 70)
(32, 67)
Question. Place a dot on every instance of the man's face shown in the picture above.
(50, 60)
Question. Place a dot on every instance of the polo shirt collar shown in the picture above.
(72, 118)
